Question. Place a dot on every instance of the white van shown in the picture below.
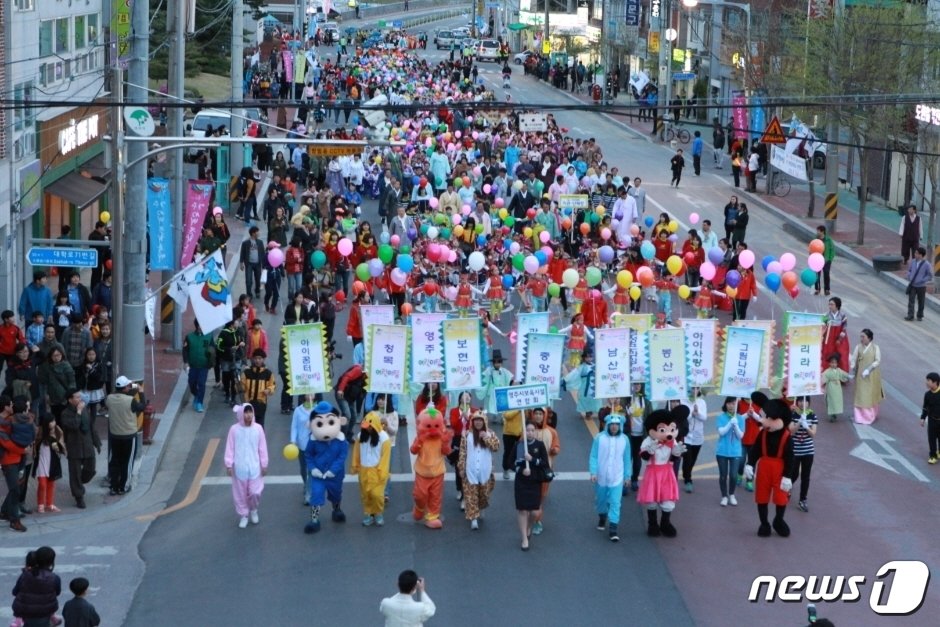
(216, 118)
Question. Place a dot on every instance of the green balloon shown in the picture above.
(554, 290)
(404, 249)
(553, 329)
(442, 128)
(458, 182)
(539, 186)
(386, 253)
(362, 272)
(592, 276)
(478, 229)
(595, 218)
(445, 233)
(424, 229)
(509, 221)
(518, 262)
(440, 218)
(318, 259)
(808, 277)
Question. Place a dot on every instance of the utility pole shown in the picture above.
(545, 33)
(665, 59)
(714, 63)
(831, 210)
(238, 77)
(177, 18)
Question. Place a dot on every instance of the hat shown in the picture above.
(122, 382)
(497, 355)
(273, 244)
(614, 419)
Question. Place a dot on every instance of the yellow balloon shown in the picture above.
(635, 292)
(684, 291)
(291, 451)
(104, 216)
(600, 211)
(458, 230)
(624, 278)
(503, 213)
(527, 232)
(673, 226)
(674, 264)
(378, 161)
(731, 292)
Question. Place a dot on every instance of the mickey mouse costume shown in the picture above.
(659, 488)
(770, 463)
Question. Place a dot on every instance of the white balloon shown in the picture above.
(476, 261)
(432, 232)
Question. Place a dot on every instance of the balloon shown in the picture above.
(340, 296)
(674, 264)
(508, 281)
(466, 181)
(635, 292)
(673, 226)
(808, 277)
(345, 247)
(487, 188)
(673, 238)
(434, 202)
(509, 221)
(406, 309)
(648, 221)
(395, 240)
(545, 237)
(386, 253)
(358, 287)
(647, 250)
(624, 279)
(275, 257)
(405, 263)
(318, 259)
(605, 254)
(430, 287)
(693, 218)
(566, 223)
(458, 231)
(746, 259)
(514, 247)
(518, 262)
(794, 292)
(476, 261)
(570, 278)
(450, 293)
(456, 218)
(458, 181)
(398, 277)
(787, 261)
(634, 230)
(605, 233)
(789, 280)
(817, 246)
(766, 261)
(531, 264)
(592, 276)
(517, 185)
(362, 271)
(291, 451)
(688, 258)
(731, 291)
(384, 237)
(481, 239)
(733, 278)
(707, 270)
(774, 267)
(433, 252)
(716, 256)
(645, 276)
(684, 291)
(816, 262)
(503, 213)
(585, 228)
(542, 257)
(530, 213)
(527, 232)
(549, 253)
(772, 281)
(554, 290)
(445, 233)
(432, 232)
(498, 203)
(105, 217)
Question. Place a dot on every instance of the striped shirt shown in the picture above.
(803, 441)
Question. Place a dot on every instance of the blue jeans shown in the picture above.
(197, 383)
(294, 283)
(340, 281)
(350, 409)
(727, 474)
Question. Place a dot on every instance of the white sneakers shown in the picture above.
(724, 501)
(243, 522)
(474, 524)
(254, 517)
(732, 500)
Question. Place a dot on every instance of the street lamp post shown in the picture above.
(667, 34)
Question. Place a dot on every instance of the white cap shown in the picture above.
(122, 382)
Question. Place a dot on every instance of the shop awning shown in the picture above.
(79, 190)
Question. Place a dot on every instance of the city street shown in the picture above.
(872, 499)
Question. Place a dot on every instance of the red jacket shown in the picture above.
(747, 288)
(10, 452)
(354, 325)
(350, 375)
(294, 260)
(594, 311)
(10, 336)
(664, 249)
(698, 255)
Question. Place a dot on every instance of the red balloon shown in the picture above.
(423, 181)
(430, 287)
(585, 228)
(357, 287)
(340, 296)
(689, 259)
(406, 309)
(530, 213)
(795, 292)
(107, 264)
(466, 181)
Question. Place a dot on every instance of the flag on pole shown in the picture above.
(210, 294)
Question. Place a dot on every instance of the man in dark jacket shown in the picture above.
(250, 258)
(391, 198)
(81, 443)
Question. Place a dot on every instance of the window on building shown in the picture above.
(46, 31)
(79, 32)
(92, 21)
(25, 5)
(23, 115)
(62, 35)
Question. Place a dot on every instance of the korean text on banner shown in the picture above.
(612, 363)
(788, 163)
(799, 319)
(527, 323)
(544, 355)
(160, 224)
(741, 364)
(766, 365)
(739, 114)
(521, 397)
(668, 369)
(804, 360)
(387, 362)
(701, 343)
(198, 194)
(427, 352)
(211, 294)
(375, 314)
(639, 356)
(308, 369)
(463, 356)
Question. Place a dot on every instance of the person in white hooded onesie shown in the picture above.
(246, 461)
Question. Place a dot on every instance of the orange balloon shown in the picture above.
(817, 246)
(566, 223)
(645, 276)
(406, 309)
(731, 291)
(789, 280)
(357, 287)
(585, 228)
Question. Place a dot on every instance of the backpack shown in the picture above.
(22, 432)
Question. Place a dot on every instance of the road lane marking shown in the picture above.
(195, 486)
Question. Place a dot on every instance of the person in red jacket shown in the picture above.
(354, 324)
(594, 310)
(556, 268)
(294, 267)
(694, 256)
(746, 292)
(431, 395)
(350, 394)
(664, 248)
(10, 336)
(11, 455)
(750, 410)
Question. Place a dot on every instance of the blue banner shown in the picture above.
(633, 12)
(160, 224)
(758, 118)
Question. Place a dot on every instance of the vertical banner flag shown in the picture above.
(766, 365)
(308, 369)
(739, 114)
(526, 323)
(741, 361)
(160, 223)
(198, 195)
(427, 352)
(804, 360)
(758, 122)
(633, 12)
(544, 353)
(668, 369)
(387, 362)
(612, 363)
(700, 340)
(639, 356)
(211, 294)
(463, 354)
(288, 57)
(374, 314)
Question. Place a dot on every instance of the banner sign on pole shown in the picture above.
(463, 358)
(668, 369)
(198, 194)
(544, 355)
(160, 224)
(521, 397)
(766, 368)
(700, 339)
(374, 314)
(801, 319)
(308, 369)
(526, 323)
(387, 361)
(427, 352)
(639, 356)
(741, 361)
(804, 360)
(612, 363)
(574, 201)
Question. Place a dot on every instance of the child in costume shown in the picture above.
(475, 466)
(371, 458)
(580, 383)
(833, 378)
(246, 460)
(578, 335)
(770, 465)
(659, 488)
(326, 462)
(431, 445)
(609, 464)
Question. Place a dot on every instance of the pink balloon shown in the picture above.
(444, 253)
(452, 256)
(693, 218)
(531, 264)
(434, 251)
(475, 135)
(455, 218)
(559, 171)
(498, 203)
(816, 262)
(450, 293)
(345, 247)
(746, 258)
(487, 188)
(434, 202)
(605, 233)
(457, 134)
(549, 253)
(477, 171)
(707, 270)
(275, 257)
(634, 230)
(544, 237)
(465, 210)
(395, 240)
(787, 262)
(514, 247)
(398, 277)
(774, 267)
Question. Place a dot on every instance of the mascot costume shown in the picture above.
(371, 458)
(659, 487)
(326, 462)
(431, 445)
(769, 464)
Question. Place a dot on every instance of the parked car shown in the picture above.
(488, 50)
(806, 142)
(462, 30)
(522, 57)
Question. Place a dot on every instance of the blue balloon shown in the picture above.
(542, 257)
(481, 240)
(406, 263)
(416, 180)
(566, 211)
(384, 237)
(507, 281)
(772, 281)
(606, 254)
(716, 256)
(647, 250)
(649, 221)
(733, 278)
(766, 261)
(507, 243)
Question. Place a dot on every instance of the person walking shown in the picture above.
(246, 462)
(676, 164)
(919, 276)
(728, 451)
(531, 466)
(930, 416)
(258, 384)
(718, 145)
(833, 378)
(739, 234)
(300, 437)
(124, 405)
(865, 365)
(475, 467)
(412, 605)
(803, 429)
(199, 355)
(78, 612)
(81, 444)
(37, 590)
(14, 439)
(250, 258)
(50, 445)
(695, 438)
(829, 253)
(910, 231)
(608, 465)
(731, 217)
(698, 145)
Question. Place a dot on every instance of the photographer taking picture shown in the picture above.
(411, 606)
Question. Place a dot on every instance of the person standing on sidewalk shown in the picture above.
(698, 145)
(199, 354)
(123, 408)
(910, 232)
(676, 164)
(753, 167)
(919, 276)
(930, 416)
(829, 253)
(718, 145)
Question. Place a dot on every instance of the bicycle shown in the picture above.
(780, 186)
(671, 133)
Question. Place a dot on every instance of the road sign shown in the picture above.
(63, 257)
(492, 5)
(683, 76)
(773, 134)
(521, 397)
(398, 23)
(139, 121)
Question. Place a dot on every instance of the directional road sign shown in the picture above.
(62, 257)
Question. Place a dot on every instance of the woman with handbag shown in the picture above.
(532, 470)
(50, 445)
